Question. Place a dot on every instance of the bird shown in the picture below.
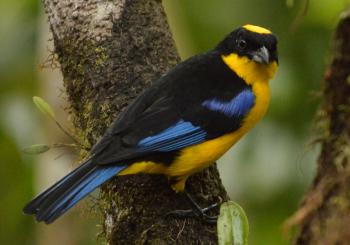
(185, 121)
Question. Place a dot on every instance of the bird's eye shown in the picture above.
(242, 44)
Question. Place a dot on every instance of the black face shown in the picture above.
(261, 48)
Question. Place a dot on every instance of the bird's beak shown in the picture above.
(262, 55)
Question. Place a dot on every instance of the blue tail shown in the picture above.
(63, 195)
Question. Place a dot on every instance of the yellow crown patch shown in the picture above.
(257, 29)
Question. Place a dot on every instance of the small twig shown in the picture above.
(182, 229)
(67, 133)
(60, 155)
(77, 143)
(300, 16)
(58, 145)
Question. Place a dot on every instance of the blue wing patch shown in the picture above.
(178, 136)
(239, 106)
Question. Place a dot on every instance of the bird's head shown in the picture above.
(251, 51)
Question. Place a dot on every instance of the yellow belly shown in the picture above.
(197, 157)
(190, 160)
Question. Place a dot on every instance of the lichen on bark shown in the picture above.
(110, 51)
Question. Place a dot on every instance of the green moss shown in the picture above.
(102, 56)
(342, 202)
(342, 147)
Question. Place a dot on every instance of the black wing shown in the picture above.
(171, 115)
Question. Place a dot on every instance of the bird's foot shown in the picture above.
(196, 211)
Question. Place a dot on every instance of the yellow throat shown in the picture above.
(249, 70)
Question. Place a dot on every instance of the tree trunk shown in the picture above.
(324, 214)
(110, 51)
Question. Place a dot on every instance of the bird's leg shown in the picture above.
(202, 211)
(196, 211)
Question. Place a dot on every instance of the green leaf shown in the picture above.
(233, 226)
(43, 106)
(36, 149)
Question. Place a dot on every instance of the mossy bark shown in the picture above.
(110, 51)
(324, 214)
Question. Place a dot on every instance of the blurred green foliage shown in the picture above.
(16, 185)
(266, 173)
(18, 31)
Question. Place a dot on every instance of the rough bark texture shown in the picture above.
(109, 51)
(324, 215)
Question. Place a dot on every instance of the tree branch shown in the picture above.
(109, 52)
(324, 215)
